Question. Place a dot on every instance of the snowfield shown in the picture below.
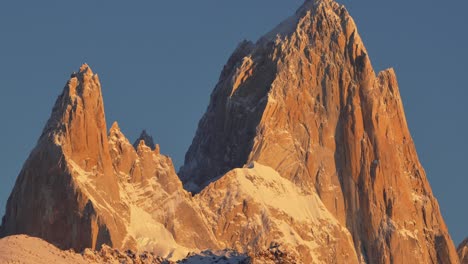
(30, 250)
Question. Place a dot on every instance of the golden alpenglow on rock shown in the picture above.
(305, 101)
(67, 192)
(303, 156)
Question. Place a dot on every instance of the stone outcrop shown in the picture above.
(306, 101)
(147, 139)
(463, 251)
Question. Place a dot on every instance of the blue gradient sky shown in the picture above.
(159, 60)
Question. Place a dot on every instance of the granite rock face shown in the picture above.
(82, 187)
(67, 192)
(305, 101)
(85, 188)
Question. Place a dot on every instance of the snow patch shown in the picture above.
(153, 236)
(266, 186)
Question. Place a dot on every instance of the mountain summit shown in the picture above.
(67, 192)
(147, 140)
(305, 101)
(304, 153)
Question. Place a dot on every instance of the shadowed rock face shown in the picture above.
(463, 251)
(55, 196)
(306, 101)
(147, 139)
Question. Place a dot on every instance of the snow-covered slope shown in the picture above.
(24, 249)
(163, 218)
(29, 250)
(253, 208)
(247, 209)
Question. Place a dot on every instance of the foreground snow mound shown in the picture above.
(30, 250)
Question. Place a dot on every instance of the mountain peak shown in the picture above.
(85, 69)
(147, 140)
(306, 102)
(84, 84)
(308, 13)
(81, 94)
(70, 161)
(115, 127)
(317, 2)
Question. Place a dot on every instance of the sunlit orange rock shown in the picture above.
(306, 101)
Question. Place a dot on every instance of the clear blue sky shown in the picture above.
(159, 60)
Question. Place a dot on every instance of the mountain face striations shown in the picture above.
(67, 192)
(305, 101)
(304, 149)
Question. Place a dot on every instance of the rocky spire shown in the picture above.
(57, 190)
(146, 138)
(326, 40)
